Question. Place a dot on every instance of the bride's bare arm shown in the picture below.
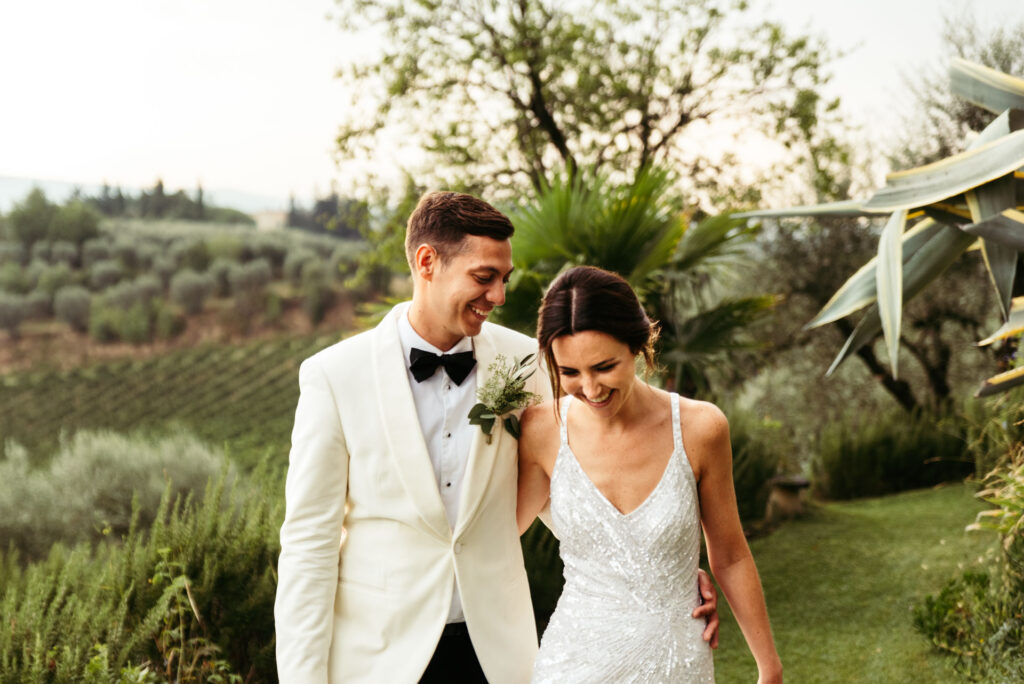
(706, 432)
(534, 449)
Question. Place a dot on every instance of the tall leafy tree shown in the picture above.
(500, 92)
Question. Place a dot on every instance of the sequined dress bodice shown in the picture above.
(630, 579)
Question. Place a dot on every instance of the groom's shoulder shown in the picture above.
(508, 340)
(354, 349)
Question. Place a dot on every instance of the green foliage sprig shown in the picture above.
(504, 392)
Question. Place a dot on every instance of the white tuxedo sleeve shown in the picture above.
(315, 494)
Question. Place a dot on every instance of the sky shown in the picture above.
(240, 95)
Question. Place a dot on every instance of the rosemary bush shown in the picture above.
(116, 612)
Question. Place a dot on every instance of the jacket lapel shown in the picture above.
(402, 426)
(482, 455)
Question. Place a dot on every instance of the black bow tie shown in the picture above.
(424, 363)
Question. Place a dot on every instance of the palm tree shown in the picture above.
(638, 229)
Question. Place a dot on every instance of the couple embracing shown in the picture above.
(400, 556)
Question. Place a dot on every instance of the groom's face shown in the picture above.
(465, 289)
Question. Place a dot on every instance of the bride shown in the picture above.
(633, 473)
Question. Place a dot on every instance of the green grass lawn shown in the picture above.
(842, 583)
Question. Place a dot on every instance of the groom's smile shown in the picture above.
(462, 291)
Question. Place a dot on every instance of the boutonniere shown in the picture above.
(503, 393)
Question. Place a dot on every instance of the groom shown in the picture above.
(400, 560)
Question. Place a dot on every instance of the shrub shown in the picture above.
(226, 247)
(164, 268)
(13, 252)
(13, 278)
(121, 607)
(38, 305)
(317, 295)
(75, 222)
(891, 453)
(295, 262)
(53, 278)
(29, 220)
(344, 259)
(123, 296)
(168, 322)
(979, 616)
(190, 254)
(146, 254)
(271, 250)
(104, 322)
(191, 290)
(136, 323)
(41, 251)
(13, 311)
(995, 428)
(759, 452)
(105, 273)
(71, 304)
(220, 270)
(62, 252)
(247, 285)
(95, 476)
(94, 251)
(148, 287)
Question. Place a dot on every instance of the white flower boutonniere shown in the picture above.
(503, 393)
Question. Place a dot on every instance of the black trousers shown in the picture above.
(454, 659)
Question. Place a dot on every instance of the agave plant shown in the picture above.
(639, 230)
(936, 213)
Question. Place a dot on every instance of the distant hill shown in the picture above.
(14, 189)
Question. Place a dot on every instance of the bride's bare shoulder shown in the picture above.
(539, 431)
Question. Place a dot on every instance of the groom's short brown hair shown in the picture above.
(443, 220)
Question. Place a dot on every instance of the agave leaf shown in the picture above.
(1001, 383)
(985, 202)
(860, 289)
(986, 87)
(1005, 228)
(1014, 324)
(889, 282)
(925, 185)
(846, 208)
(926, 264)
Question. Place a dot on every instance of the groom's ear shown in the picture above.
(426, 261)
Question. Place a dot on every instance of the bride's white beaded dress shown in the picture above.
(630, 579)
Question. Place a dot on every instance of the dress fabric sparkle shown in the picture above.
(630, 579)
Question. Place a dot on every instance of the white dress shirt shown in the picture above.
(443, 410)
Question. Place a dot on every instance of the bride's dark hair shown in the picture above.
(591, 298)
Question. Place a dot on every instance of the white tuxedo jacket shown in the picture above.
(367, 554)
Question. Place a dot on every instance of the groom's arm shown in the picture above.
(315, 494)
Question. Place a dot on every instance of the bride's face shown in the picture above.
(596, 368)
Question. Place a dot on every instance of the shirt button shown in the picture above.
(448, 435)
(458, 547)
(447, 484)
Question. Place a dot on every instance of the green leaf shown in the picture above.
(951, 176)
(511, 424)
(985, 87)
(986, 202)
(1001, 383)
(1013, 326)
(1005, 228)
(889, 281)
(846, 208)
(860, 290)
(927, 264)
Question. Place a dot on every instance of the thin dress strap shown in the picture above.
(563, 428)
(677, 432)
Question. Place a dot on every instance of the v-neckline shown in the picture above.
(601, 495)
